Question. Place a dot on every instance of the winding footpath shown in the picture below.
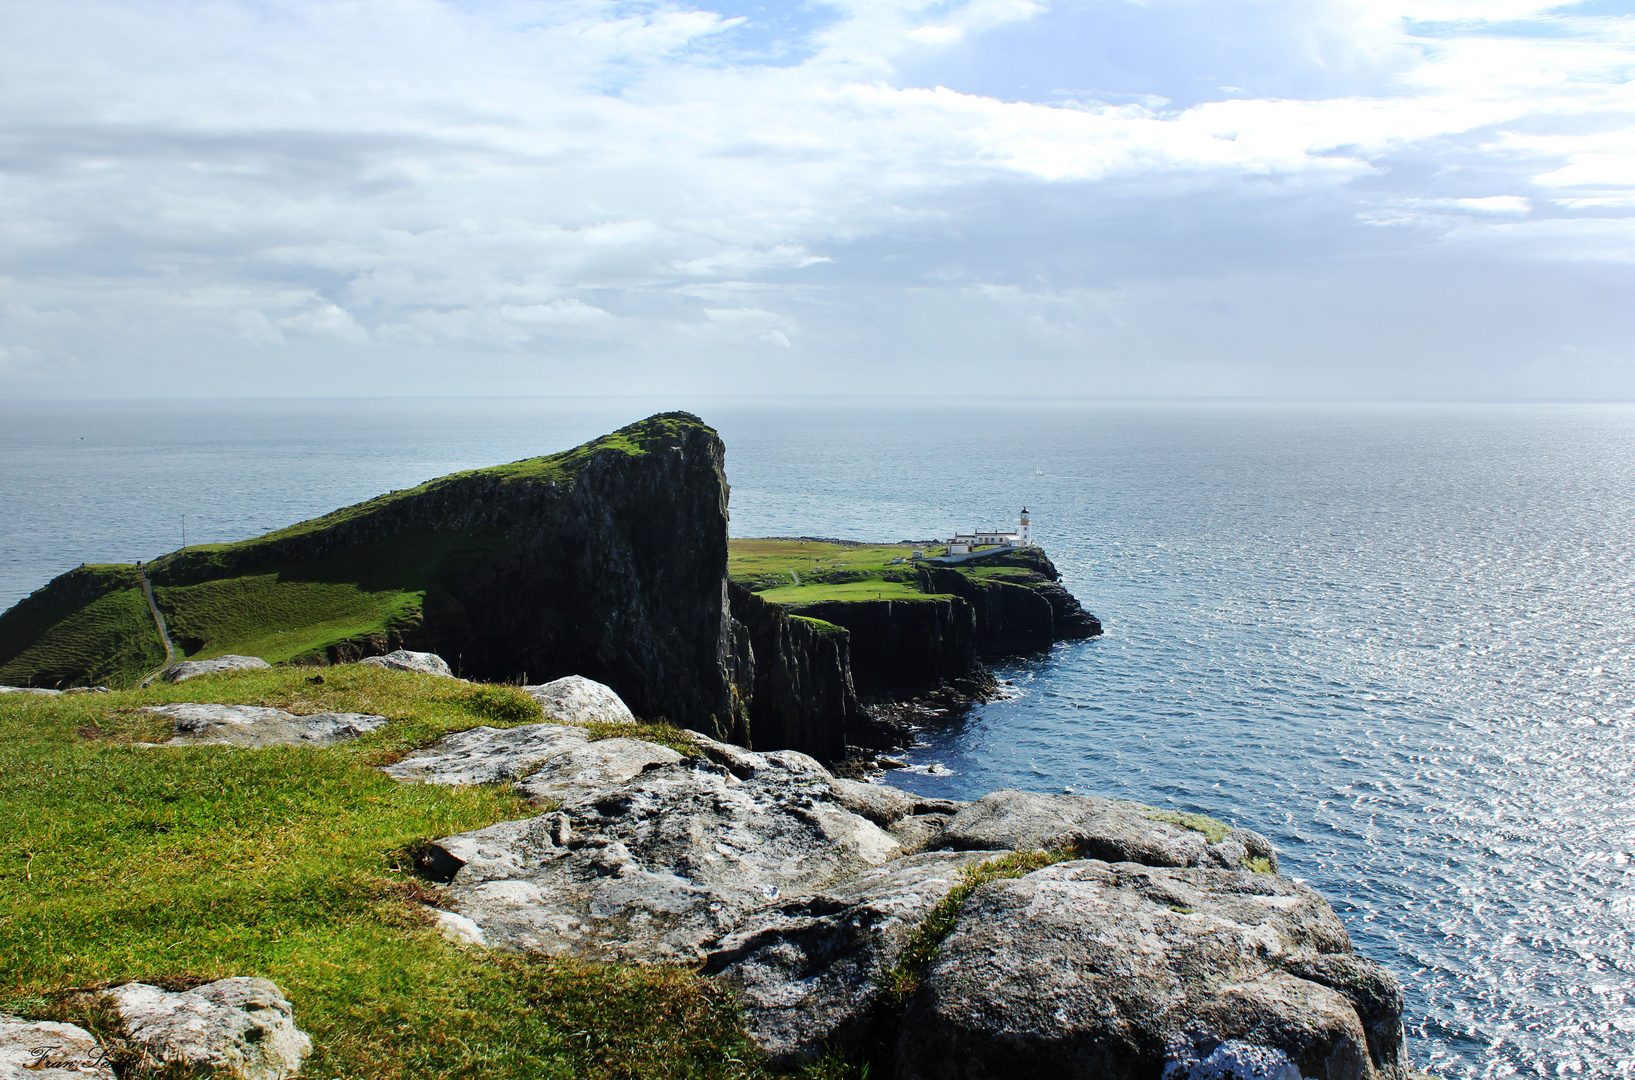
(158, 619)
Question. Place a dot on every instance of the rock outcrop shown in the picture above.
(795, 676)
(192, 669)
(807, 972)
(256, 726)
(1009, 820)
(403, 660)
(1095, 970)
(898, 645)
(1150, 952)
(578, 700)
(656, 868)
(45, 1050)
(238, 1028)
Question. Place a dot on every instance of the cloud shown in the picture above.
(683, 188)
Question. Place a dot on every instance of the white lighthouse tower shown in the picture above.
(1025, 533)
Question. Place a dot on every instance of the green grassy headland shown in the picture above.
(244, 598)
(794, 572)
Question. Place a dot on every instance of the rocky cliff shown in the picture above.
(1017, 599)
(795, 674)
(608, 560)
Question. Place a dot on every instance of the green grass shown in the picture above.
(111, 640)
(186, 864)
(851, 591)
(1214, 829)
(792, 572)
(752, 562)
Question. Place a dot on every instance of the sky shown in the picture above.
(1397, 199)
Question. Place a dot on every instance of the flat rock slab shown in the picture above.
(44, 1050)
(806, 971)
(403, 660)
(53, 693)
(1093, 970)
(656, 869)
(582, 773)
(578, 700)
(192, 669)
(486, 755)
(241, 1028)
(1097, 828)
(258, 726)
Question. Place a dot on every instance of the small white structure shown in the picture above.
(965, 543)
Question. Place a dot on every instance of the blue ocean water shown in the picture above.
(1400, 640)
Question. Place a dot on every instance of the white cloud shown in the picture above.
(368, 176)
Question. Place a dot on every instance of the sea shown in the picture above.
(1398, 639)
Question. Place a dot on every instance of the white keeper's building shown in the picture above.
(965, 543)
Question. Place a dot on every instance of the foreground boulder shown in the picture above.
(192, 669)
(807, 971)
(240, 1028)
(1164, 956)
(43, 1050)
(653, 870)
(403, 660)
(256, 726)
(1094, 970)
(578, 700)
(486, 755)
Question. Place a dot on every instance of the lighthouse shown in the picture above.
(1025, 533)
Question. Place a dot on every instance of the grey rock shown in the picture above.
(198, 724)
(192, 669)
(880, 803)
(920, 832)
(1256, 845)
(45, 1050)
(805, 972)
(1097, 828)
(655, 869)
(1088, 969)
(581, 773)
(578, 700)
(240, 1028)
(403, 660)
(29, 690)
(485, 755)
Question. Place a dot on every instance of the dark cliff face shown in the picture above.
(795, 676)
(1026, 608)
(607, 561)
(904, 645)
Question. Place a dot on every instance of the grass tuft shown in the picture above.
(903, 978)
(502, 704)
(1214, 830)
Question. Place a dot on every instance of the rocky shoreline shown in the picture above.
(1018, 935)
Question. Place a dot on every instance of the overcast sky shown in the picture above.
(1374, 198)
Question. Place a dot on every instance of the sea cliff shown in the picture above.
(610, 560)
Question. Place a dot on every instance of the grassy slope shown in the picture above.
(823, 571)
(280, 611)
(198, 863)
